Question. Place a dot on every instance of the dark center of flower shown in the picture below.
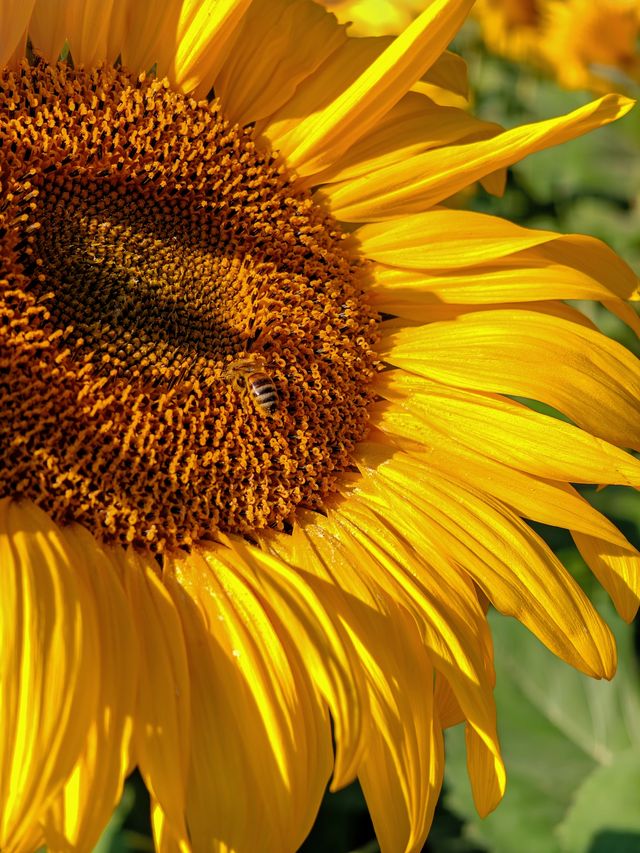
(184, 342)
(521, 13)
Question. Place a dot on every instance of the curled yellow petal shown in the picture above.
(616, 567)
(429, 178)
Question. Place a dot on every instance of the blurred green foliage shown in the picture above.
(571, 745)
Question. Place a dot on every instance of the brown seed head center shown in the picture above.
(184, 343)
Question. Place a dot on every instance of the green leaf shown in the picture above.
(112, 839)
(605, 815)
(557, 728)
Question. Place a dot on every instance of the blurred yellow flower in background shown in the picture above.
(262, 465)
(584, 44)
(511, 28)
(592, 44)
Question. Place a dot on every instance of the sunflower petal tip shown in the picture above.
(625, 104)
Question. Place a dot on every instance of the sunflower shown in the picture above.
(584, 44)
(593, 44)
(263, 465)
(512, 28)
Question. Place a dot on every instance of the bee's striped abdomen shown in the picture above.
(264, 392)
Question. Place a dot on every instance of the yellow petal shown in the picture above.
(443, 239)
(296, 597)
(14, 18)
(624, 312)
(371, 615)
(344, 66)
(592, 259)
(76, 819)
(448, 708)
(452, 625)
(413, 299)
(402, 739)
(596, 381)
(320, 139)
(617, 568)
(509, 562)
(205, 36)
(332, 78)
(358, 601)
(86, 25)
(164, 841)
(455, 627)
(430, 413)
(421, 247)
(401, 775)
(148, 34)
(302, 35)
(261, 742)
(48, 646)
(413, 125)
(429, 178)
(414, 310)
(446, 81)
(161, 735)
(184, 39)
(568, 267)
(487, 792)
(533, 498)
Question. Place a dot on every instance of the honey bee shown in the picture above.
(251, 370)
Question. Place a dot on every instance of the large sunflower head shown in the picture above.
(261, 461)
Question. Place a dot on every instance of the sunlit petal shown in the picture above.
(508, 561)
(254, 714)
(499, 429)
(48, 645)
(431, 177)
(321, 139)
(593, 375)
(76, 819)
(161, 736)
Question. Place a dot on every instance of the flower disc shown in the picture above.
(155, 264)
